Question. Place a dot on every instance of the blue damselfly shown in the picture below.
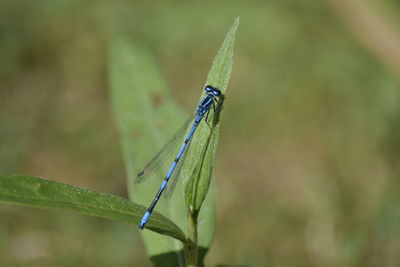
(203, 108)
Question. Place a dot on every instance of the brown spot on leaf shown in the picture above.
(157, 99)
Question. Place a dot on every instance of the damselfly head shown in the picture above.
(212, 90)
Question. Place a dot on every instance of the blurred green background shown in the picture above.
(308, 162)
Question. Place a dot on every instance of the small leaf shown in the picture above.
(43, 193)
(203, 149)
(196, 189)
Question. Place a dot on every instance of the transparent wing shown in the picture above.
(159, 159)
(169, 190)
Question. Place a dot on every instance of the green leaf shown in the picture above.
(146, 117)
(203, 148)
(43, 193)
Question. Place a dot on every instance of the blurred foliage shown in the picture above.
(307, 168)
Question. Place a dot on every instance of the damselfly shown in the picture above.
(203, 108)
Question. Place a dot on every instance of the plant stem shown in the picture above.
(191, 246)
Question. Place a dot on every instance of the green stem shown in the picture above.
(191, 245)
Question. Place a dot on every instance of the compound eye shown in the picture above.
(216, 92)
(208, 89)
